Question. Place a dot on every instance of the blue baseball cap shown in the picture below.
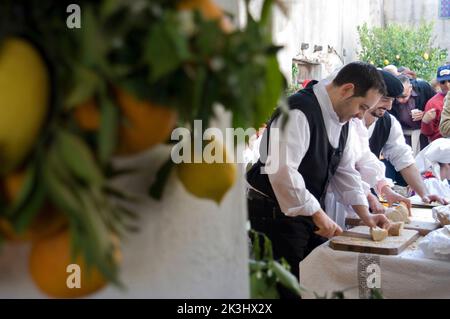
(443, 73)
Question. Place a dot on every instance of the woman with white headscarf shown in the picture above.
(434, 164)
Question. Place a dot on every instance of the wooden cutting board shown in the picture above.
(421, 220)
(390, 246)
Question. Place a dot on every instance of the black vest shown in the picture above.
(380, 134)
(321, 159)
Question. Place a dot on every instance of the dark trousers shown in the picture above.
(423, 141)
(293, 238)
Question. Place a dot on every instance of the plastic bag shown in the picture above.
(436, 245)
(437, 187)
(442, 214)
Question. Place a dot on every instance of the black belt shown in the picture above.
(255, 195)
(273, 209)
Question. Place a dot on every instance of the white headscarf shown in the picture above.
(430, 157)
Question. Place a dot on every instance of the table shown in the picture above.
(408, 275)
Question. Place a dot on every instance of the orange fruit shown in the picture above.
(87, 115)
(209, 10)
(145, 124)
(48, 263)
(46, 222)
(207, 7)
(12, 184)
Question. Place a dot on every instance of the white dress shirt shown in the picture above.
(396, 150)
(293, 143)
(371, 169)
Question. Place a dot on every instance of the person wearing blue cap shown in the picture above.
(434, 107)
(444, 82)
(386, 137)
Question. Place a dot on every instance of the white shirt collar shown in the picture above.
(371, 128)
(330, 118)
(326, 106)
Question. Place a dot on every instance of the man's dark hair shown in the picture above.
(363, 76)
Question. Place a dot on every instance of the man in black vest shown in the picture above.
(386, 137)
(287, 186)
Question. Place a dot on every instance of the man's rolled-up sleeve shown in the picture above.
(347, 184)
(396, 150)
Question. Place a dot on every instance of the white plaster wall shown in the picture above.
(325, 23)
(412, 12)
(186, 247)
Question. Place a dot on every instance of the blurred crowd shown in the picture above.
(422, 110)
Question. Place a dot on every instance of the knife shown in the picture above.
(356, 235)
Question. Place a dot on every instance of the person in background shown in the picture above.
(408, 110)
(433, 109)
(403, 70)
(445, 117)
(434, 164)
(305, 83)
(391, 69)
(435, 85)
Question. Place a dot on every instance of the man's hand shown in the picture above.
(327, 227)
(393, 197)
(417, 116)
(429, 116)
(375, 205)
(434, 198)
(377, 220)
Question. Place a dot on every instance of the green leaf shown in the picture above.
(84, 212)
(59, 190)
(257, 265)
(109, 127)
(268, 252)
(157, 188)
(165, 50)
(261, 288)
(120, 194)
(92, 40)
(256, 244)
(25, 192)
(86, 83)
(24, 217)
(266, 13)
(376, 294)
(337, 295)
(287, 279)
(110, 7)
(209, 40)
(76, 155)
(273, 88)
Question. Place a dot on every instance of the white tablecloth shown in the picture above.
(408, 275)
